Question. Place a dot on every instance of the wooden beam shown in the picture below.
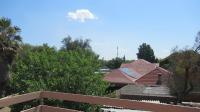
(11, 100)
(34, 109)
(45, 108)
(129, 104)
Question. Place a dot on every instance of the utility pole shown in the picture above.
(117, 52)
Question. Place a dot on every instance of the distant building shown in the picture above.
(140, 80)
(103, 70)
(139, 72)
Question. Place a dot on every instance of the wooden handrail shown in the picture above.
(45, 108)
(34, 109)
(11, 100)
(129, 104)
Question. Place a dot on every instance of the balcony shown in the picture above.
(96, 100)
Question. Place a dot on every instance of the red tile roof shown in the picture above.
(141, 66)
(138, 69)
(116, 76)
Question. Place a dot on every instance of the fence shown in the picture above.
(129, 104)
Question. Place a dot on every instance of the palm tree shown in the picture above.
(10, 41)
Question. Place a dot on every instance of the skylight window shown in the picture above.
(130, 72)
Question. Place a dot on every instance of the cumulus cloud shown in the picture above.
(81, 15)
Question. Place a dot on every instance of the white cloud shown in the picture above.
(81, 15)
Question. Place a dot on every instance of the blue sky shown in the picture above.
(108, 23)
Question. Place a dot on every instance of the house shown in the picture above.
(140, 80)
(137, 72)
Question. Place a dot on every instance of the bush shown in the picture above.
(45, 68)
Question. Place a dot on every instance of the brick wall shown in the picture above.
(152, 77)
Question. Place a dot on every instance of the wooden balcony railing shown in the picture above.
(129, 104)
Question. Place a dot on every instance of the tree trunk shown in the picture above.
(4, 76)
(188, 86)
(186, 80)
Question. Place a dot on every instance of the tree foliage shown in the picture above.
(44, 68)
(146, 52)
(10, 41)
(114, 63)
(69, 44)
(185, 65)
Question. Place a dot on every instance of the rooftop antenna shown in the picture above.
(117, 51)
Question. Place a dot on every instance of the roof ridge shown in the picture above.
(163, 69)
(148, 62)
(151, 71)
(146, 74)
(143, 61)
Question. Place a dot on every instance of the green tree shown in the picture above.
(44, 68)
(164, 63)
(146, 52)
(114, 63)
(10, 41)
(69, 44)
(185, 68)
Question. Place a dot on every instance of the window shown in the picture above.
(159, 81)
